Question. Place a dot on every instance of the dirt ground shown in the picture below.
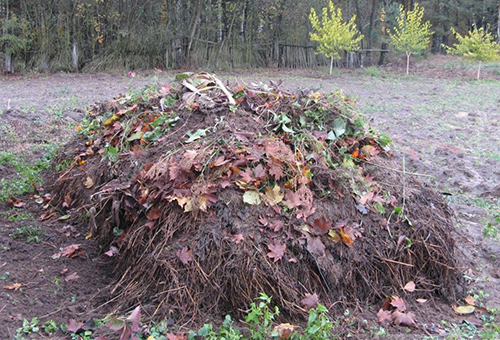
(445, 128)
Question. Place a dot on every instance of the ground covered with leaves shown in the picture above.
(267, 200)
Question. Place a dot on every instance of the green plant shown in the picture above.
(333, 34)
(319, 325)
(29, 232)
(411, 35)
(373, 71)
(478, 45)
(491, 229)
(225, 332)
(27, 174)
(28, 327)
(15, 214)
(50, 326)
(260, 317)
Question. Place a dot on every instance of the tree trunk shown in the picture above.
(178, 54)
(243, 21)
(219, 21)
(479, 71)
(383, 47)
(498, 24)
(194, 27)
(359, 23)
(370, 30)
(408, 63)
(277, 34)
(74, 56)
(9, 63)
(331, 65)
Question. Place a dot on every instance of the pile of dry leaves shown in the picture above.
(205, 194)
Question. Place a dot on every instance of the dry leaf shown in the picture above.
(185, 255)
(464, 310)
(71, 277)
(237, 238)
(346, 239)
(74, 326)
(284, 330)
(366, 198)
(403, 319)
(321, 226)
(112, 251)
(310, 301)
(409, 287)
(277, 250)
(69, 251)
(333, 236)
(88, 183)
(153, 214)
(470, 300)
(273, 196)
(384, 316)
(67, 201)
(315, 246)
(398, 303)
(251, 197)
(14, 286)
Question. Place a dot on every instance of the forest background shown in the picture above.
(94, 35)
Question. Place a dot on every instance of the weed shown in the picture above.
(4, 276)
(15, 215)
(226, 331)
(50, 326)
(491, 229)
(27, 174)
(260, 317)
(29, 232)
(28, 327)
(373, 71)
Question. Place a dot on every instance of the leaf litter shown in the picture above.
(199, 184)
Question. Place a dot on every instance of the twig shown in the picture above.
(396, 170)
(397, 262)
(404, 185)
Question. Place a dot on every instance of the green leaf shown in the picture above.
(196, 135)
(135, 136)
(339, 127)
(251, 197)
(182, 76)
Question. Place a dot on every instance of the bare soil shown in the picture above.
(447, 129)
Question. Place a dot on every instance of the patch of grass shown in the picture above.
(491, 228)
(29, 233)
(374, 71)
(15, 215)
(27, 174)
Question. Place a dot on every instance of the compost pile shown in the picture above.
(205, 194)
